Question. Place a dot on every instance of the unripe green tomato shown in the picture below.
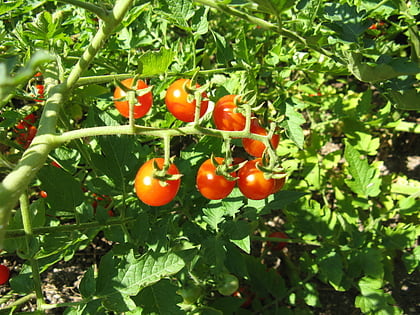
(190, 294)
(228, 284)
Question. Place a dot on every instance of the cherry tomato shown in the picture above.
(150, 190)
(211, 185)
(252, 183)
(228, 284)
(190, 294)
(26, 122)
(40, 93)
(25, 137)
(255, 147)
(178, 100)
(226, 115)
(4, 274)
(43, 194)
(277, 245)
(144, 102)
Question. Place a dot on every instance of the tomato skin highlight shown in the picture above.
(4, 274)
(176, 100)
(149, 189)
(226, 115)
(144, 102)
(211, 185)
(251, 181)
(255, 147)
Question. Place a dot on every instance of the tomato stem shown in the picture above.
(29, 240)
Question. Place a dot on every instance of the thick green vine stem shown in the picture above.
(29, 238)
(15, 183)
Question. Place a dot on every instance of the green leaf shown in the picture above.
(384, 69)
(64, 191)
(179, 12)
(87, 285)
(238, 233)
(406, 100)
(214, 252)
(214, 214)
(374, 299)
(154, 63)
(331, 266)
(9, 6)
(224, 51)
(292, 124)
(412, 259)
(311, 295)
(274, 7)
(365, 181)
(347, 21)
(160, 298)
(283, 198)
(119, 303)
(129, 275)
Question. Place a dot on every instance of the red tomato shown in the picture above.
(25, 138)
(246, 295)
(254, 147)
(177, 100)
(144, 102)
(211, 185)
(150, 190)
(226, 115)
(40, 93)
(277, 245)
(43, 194)
(252, 183)
(4, 274)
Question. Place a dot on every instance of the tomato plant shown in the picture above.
(255, 147)
(227, 115)
(180, 100)
(144, 99)
(338, 80)
(154, 191)
(212, 185)
(4, 274)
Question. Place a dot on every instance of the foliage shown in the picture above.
(339, 80)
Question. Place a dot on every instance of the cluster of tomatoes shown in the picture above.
(25, 129)
(157, 183)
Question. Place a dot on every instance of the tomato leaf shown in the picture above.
(292, 124)
(55, 181)
(129, 275)
(214, 214)
(238, 233)
(365, 180)
(154, 63)
(87, 285)
(160, 298)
